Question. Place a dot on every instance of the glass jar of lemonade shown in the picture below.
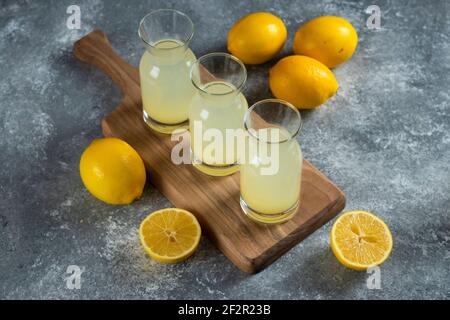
(165, 69)
(271, 171)
(217, 113)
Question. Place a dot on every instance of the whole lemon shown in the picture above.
(112, 171)
(302, 81)
(257, 37)
(329, 39)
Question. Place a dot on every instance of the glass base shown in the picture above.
(163, 127)
(216, 171)
(273, 218)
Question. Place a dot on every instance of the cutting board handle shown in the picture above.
(94, 48)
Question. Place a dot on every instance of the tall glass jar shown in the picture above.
(165, 69)
(217, 112)
(271, 173)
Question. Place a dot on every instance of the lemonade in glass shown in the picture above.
(271, 172)
(164, 69)
(217, 113)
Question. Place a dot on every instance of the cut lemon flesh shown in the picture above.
(360, 240)
(170, 235)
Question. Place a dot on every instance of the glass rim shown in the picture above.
(153, 12)
(219, 54)
(279, 101)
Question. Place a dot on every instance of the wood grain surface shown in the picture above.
(214, 200)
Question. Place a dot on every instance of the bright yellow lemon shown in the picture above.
(170, 235)
(360, 240)
(302, 81)
(112, 171)
(329, 39)
(257, 37)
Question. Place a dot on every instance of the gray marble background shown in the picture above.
(384, 139)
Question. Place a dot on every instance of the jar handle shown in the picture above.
(94, 48)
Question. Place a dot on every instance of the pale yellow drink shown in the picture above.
(165, 84)
(218, 108)
(274, 191)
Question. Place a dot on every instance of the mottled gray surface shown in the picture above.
(384, 139)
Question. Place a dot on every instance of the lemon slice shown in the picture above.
(170, 235)
(360, 240)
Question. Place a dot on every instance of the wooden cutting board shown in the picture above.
(214, 200)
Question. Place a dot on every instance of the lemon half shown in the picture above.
(170, 235)
(360, 240)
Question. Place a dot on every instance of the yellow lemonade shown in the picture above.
(270, 176)
(218, 107)
(165, 85)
